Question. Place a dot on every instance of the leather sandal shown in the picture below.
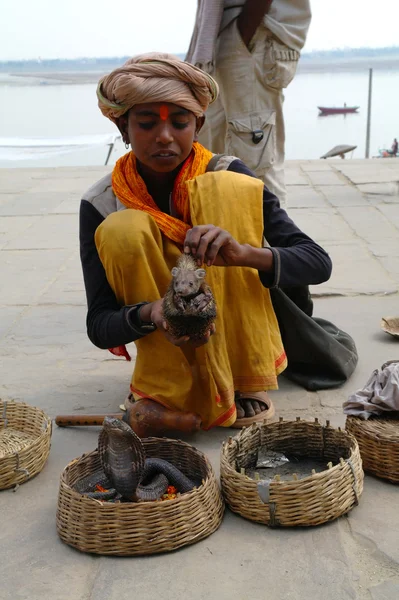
(265, 415)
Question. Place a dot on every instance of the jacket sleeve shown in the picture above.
(298, 260)
(108, 324)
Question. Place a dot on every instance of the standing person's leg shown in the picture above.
(273, 173)
(251, 82)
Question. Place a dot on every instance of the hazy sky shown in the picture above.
(75, 28)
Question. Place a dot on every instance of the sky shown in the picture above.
(77, 28)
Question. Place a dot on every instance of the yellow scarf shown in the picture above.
(131, 190)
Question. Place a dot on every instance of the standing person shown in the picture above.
(394, 148)
(252, 48)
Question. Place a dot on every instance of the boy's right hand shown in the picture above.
(157, 318)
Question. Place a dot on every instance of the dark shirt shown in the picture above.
(298, 261)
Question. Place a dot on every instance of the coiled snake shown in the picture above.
(126, 472)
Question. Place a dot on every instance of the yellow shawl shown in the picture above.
(246, 353)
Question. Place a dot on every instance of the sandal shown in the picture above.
(265, 415)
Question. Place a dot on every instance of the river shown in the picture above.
(30, 110)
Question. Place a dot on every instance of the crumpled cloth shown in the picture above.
(202, 49)
(380, 394)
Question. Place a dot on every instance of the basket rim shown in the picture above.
(300, 481)
(46, 426)
(12, 402)
(130, 505)
(367, 429)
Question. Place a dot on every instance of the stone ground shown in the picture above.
(352, 208)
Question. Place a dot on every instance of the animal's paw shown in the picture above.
(201, 302)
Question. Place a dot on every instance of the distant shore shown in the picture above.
(328, 65)
(50, 78)
(90, 73)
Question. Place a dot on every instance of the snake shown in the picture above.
(126, 473)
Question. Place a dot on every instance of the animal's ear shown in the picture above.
(175, 271)
(200, 273)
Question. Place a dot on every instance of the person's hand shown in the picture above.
(204, 340)
(157, 318)
(214, 246)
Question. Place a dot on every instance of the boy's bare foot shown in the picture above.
(252, 407)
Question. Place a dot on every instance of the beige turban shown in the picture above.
(155, 77)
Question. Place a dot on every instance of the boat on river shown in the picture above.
(337, 110)
(340, 151)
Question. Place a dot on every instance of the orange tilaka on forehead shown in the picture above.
(163, 112)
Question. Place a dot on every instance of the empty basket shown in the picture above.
(25, 435)
(312, 500)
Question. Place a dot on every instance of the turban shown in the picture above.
(155, 77)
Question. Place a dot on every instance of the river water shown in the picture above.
(30, 110)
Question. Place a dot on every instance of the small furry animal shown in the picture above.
(188, 307)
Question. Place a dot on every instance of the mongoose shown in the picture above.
(188, 307)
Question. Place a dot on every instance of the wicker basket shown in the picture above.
(25, 435)
(312, 500)
(128, 529)
(378, 440)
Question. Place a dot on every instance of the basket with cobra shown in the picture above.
(135, 528)
(378, 440)
(25, 437)
(311, 500)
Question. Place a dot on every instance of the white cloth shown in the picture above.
(201, 51)
(380, 394)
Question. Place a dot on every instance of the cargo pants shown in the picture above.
(247, 119)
